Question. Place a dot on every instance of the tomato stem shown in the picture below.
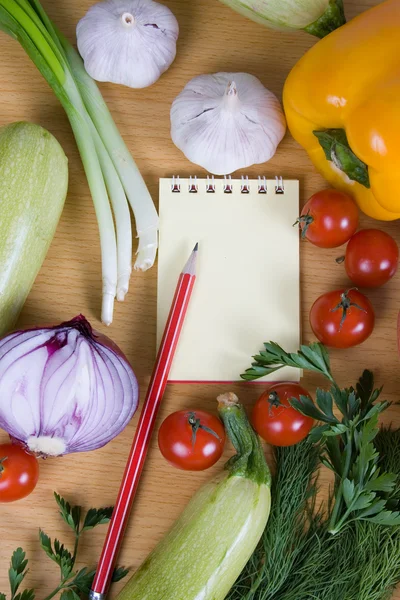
(344, 304)
(1, 464)
(196, 424)
(304, 222)
(340, 259)
(274, 402)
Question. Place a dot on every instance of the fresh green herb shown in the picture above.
(285, 538)
(361, 561)
(348, 450)
(347, 443)
(312, 358)
(16, 575)
(72, 583)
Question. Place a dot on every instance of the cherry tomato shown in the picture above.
(342, 318)
(19, 472)
(191, 440)
(371, 258)
(328, 219)
(275, 420)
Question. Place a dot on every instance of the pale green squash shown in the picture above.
(203, 554)
(33, 187)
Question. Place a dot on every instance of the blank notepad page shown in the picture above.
(247, 286)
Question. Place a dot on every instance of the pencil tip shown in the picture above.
(196, 247)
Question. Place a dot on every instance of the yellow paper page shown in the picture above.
(247, 286)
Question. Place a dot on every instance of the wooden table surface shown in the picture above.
(212, 38)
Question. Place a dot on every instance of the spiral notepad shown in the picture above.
(247, 287)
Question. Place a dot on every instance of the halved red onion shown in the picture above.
(64, 389)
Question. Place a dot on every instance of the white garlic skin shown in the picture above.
(227, 121)
(130, 42)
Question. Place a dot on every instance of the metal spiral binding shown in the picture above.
(227, 184)
(279, 187)
(245, 187)
(210, 185)
(175, 184)
(262, 185)
(193, 186)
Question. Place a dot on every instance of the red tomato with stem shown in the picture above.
(372, 258)
(342, 318)
(328, 219)
(19, 472)
(275, 420)
(192, 440)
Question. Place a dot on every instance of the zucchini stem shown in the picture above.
(249, 460)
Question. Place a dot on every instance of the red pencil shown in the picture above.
(144, 429)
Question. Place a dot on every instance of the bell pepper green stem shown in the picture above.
(337, 150)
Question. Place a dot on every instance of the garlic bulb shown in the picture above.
(131, 42)
(227, 121)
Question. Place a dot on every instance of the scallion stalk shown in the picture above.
(135, 188)
(110, 169)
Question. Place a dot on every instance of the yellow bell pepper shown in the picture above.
(342, 104)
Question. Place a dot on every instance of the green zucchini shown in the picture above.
(33, 187)
(205, 551)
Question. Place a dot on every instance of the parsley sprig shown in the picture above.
(312, 358)
(74, 584)
(349, 426)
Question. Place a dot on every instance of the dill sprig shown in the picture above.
(362, 562)
(285, 538)
(351, 550)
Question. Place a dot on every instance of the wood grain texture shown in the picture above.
(212, 39)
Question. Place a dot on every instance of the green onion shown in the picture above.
(110, 169)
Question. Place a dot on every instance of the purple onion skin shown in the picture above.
(65, 388)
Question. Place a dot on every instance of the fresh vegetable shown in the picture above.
(130, 41)
(349, 124)
(275, 420)
(328, 219)
(342, 318)
(286, 538)
(347, 441)
(191, 440)
(74, 583)
(349, 548)
(19, 472)
(207, 547)
(313, 358)
(363, 561)
(372, 258)
(33, 187)
(299, 559)
(227, 121)
(65, 388)
(109, 167)
(318, 17)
